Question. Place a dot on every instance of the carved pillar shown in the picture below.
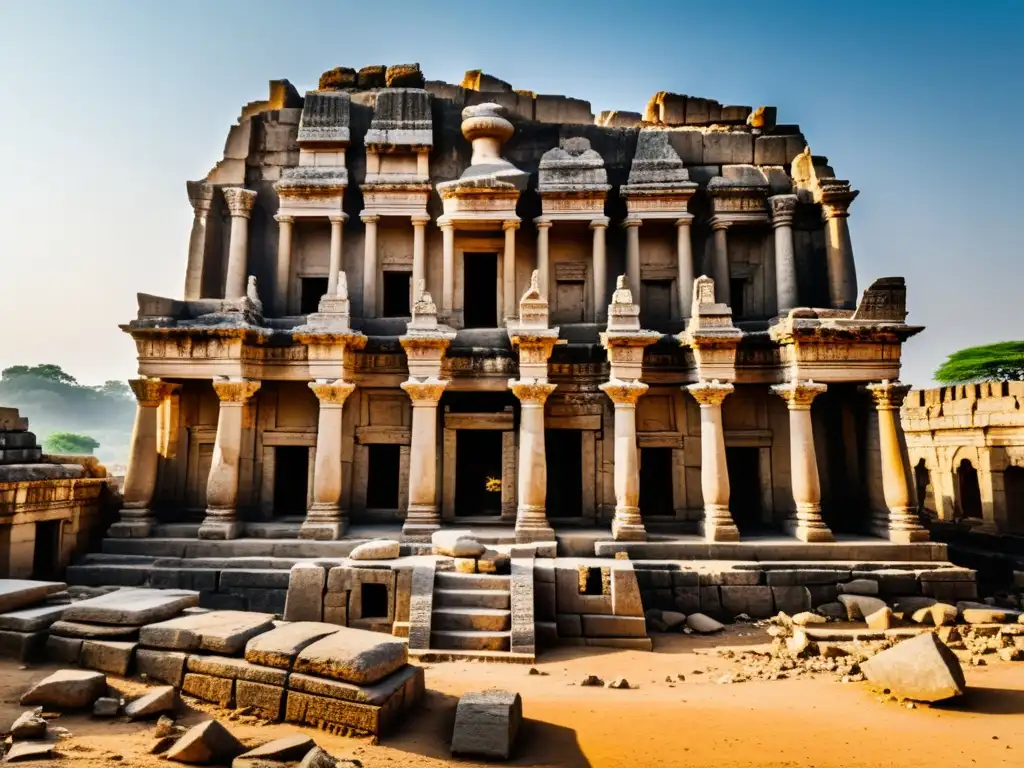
(419, 255)
(627, 524)
(140, 481)
(370, 267)
(508, 270)
(531, 515)
(600, 269)
(806, 523)
(898, 487)
(284, 263)
(447, 269)
(221, 520)
(334, 263)
(423, 516)
(200, 194)
(632, 225)
(842, 272)
(720, 271)
(783, 207)
(239, 202)
(684, 257)
(718, 524)
(543, 227)
(324, 519)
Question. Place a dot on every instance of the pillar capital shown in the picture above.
(235, 392)
(240, 201)
(332, 392)
(684, 221)
(369, 218)
(624, 393)
(446, 226)
(283, 218)
(889, 395)
(151, 392)
(632, 221)
(508, 224)
(543, 222)
(338, 218)
(200, 195)
(531, 391)
(719, 224)
(420, 219)
(601, 223)
(425, 393)
(783, 208)
(799, 394)
(710, 393)
(836, 197)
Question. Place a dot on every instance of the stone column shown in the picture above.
(140, 481)
(897, 477)
(284, 263)
(842, 272)
(600, 269)
(324, 519)
(419, 255)
(221, 520)
(684, 257)
(423, 516)
(335, 263)
(200, 194)
(627, 524)
(531, 515)
(239, 202)
(632, 225)
(508, 266)
(370, 267)
(720, 271)
(447, 269)
(543, 227)
(714, 473)
(783, 207)
(806, 523)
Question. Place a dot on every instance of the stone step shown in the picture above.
(472, 598)
(471, 619)
(107, 575)
(452, 580)
(102, 558)
(471, 641)
(298, 549)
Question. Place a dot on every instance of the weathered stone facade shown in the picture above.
(399, 306)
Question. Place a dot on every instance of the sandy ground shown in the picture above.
(819, 723)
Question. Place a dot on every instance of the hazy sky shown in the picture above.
(110, 106)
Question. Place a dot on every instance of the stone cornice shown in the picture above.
(624, 393)
(152, 392)
(799, 394)
(807, 326)
(240, 201)
(709, 394)
(235, 392)
(352, 340)
(531, 391)
(332, 392)
(889, 395)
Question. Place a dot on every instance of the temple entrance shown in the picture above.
(969, 490)
(397, 293)
(382, 476)
(564, 451)
(291, 479)
(480, 290)
(1013, 486)
(46, 551)
(655, 302)
(656, 482)
(745, 488)
(921, 482)
(312, 290)
(478, 472)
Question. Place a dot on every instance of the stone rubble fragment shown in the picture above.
(208, 742)
(487, 723)
(106, 706)
(921, 668)
(67, 689)
(29, 725)
(154, 703)
(378, 549)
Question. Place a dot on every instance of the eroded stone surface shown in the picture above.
(224, 632)
(287, 749)
(152, 704)
(698, 622)
(18, 593)
(132, 606)
(208, 742)
(353, 656)
(921, 668)
(378, 549)
(487, 723)
(279, 647)
(67, 689)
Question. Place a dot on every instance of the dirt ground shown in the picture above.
(813, 722)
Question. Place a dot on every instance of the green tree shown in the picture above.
(1003, 361)
(114, 388)
(46, 371)
(70, 442)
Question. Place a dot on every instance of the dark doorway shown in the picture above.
(745, 487)
(480, 290)
(970, 491)
(46, 553)
(396, 294)
(313, 289)
(656, 482)
(563, 449)
(374, 599)
(382, 476)
(291, 479)
(655, 302)
(1013, 485)
(921, 483)
(737, 297)
(477, 472)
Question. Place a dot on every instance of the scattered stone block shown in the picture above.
(218, 690)
(106, 706)
(673, 619)
(883, 618)
(353, 656)
(486, 724)
(152, 704)
(305, 601)
(67, 689)
(621, 683)
(165, 726)
(922, 669)
(860, 606)
(457, 543)
(493, 561)
(987, 615)
(403, 76)
(31, 750)
(859, 587)
(832, 610)
(110, 656)
(208, 742)
(164, 666)
(32, 619)
(318, 758)
(279, 647)
(134, 607)
(86, 631)
(19, 593)
(702, 624)
(378, 549)
(798, 644)
(804, 618)
(225, 632)
(288, 749)
(29, 725)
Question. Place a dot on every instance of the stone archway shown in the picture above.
(968, 490)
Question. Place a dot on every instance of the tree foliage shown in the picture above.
(1003, 361)
(45, 372)
(70, 442)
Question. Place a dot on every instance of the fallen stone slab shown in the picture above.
(20, 593)
(378, 549)
(353, 656)
(860, 606)
(29, 725)
(989, 615)
(806, 618)
(279, 647)
(67, 689)
(106, 706)
(31, 750)
(673, 619)
(85, 631)
(865, 587)
(288, 749)
(702, 624)
(152, 704)
(883, 618)
(208, 742)
(110, 656)
(487, 723)
(32, 619)
(225, 632)
(457, 543)
(134, 607)
(318, 758)
(922, 669)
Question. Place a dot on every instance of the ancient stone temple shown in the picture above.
(411, 304)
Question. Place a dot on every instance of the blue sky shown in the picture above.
(110, 106)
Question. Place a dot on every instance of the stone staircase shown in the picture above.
(471, 612)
